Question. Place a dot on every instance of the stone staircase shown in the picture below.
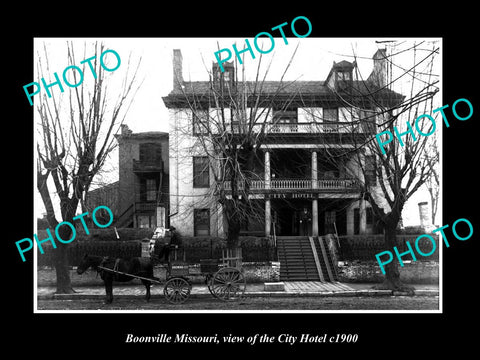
(305, 259)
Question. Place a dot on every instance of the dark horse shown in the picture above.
(135, 265)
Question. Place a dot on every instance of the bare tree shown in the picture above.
(75, 138)
(229, 127)
(389, 177)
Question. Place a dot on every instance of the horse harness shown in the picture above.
(103, 265)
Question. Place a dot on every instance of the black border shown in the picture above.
(393, 333)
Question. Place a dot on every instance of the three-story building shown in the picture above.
(307, 173)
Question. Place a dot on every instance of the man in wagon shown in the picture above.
(163, 245)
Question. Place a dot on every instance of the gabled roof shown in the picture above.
(265, 87)
(343, 64)
(301, 89)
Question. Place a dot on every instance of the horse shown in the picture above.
(135, 265)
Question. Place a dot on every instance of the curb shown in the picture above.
(354, 293)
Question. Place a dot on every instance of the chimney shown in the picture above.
(379, 72)
(424, 214)
(177, 69)
(125, 130)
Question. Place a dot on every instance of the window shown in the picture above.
(151, 187)
(370, 170)
(145, 221)
(343, 80)
(150, 153)
(226, 76)
(330, 116)
(201, 174)
(285, 116)
(225, 81)
(328, 170)
(343, 75)
(228, 79)
(148, 189)
(201, 222)
(288, 117)
(200, 122)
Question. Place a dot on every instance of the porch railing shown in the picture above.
(309, 128)
(306, 128)
(296, 184)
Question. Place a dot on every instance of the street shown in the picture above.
(253, 303)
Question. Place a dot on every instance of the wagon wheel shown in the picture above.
(228, 284)
(177, 290)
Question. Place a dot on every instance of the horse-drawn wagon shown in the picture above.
(223, 277)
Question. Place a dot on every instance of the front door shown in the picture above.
(305, 222)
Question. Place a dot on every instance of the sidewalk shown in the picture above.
(291, 289)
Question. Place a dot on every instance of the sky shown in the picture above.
(313, 60)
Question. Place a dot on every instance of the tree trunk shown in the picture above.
(60, 258)
(233, 222)
(392, 275)
(64, 285)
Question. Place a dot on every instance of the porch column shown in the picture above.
(314, 170)
(268, 210)
(315, 200)
(267, 170)
(268, 216)
(315, 217)
(363, 217)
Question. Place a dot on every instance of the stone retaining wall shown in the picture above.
(425, 272)
(420, 272)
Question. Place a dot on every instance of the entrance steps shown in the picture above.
(305, 258)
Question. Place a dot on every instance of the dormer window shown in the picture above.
(226, 76)
(340, 76)
(343, 81)
(224, 80)
(343, 76)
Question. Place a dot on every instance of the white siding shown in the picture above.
(216, 115)
(263, 115)
(344, 114)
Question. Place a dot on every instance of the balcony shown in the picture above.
(289, 185)
(308, 128)
(145, 206)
